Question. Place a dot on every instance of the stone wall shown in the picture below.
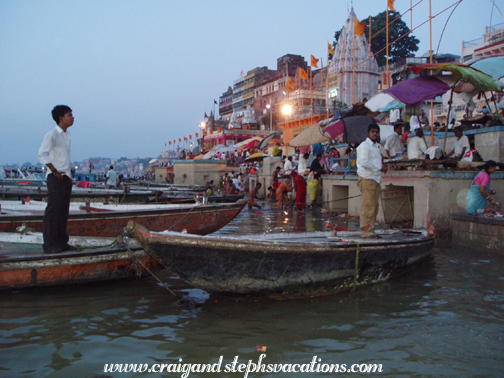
(433, 196)
(199, 172)
(478, 232)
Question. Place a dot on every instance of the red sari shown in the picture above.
(300, 184)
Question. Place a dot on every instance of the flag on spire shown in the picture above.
(390, 4)
(185, 139)
(314, 62)
(180, 140)
(206, 115)
(330, 50)
(302, 74)
(215, 102)
(196, 134)
(169, 142)
(190, 136)
(359, 27)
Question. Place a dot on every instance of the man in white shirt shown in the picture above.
(288, 166)
(111, 178)
(55, 154)
(303, 166)
(394, 146)
(369, 171)
(417, 147)
(461, 145)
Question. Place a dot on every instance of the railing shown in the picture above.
(347, 164)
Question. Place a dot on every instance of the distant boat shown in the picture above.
(110, 220)
(286, 265)
(24, 265)
(11, 175)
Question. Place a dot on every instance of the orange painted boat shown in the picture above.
(23, 263)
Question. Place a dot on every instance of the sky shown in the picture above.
(140, 73)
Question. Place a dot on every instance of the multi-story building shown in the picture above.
(226, 105)
(491, 43)
(238, 89)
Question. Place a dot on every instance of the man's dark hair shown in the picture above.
(458, 128)
(278, 168)
(258, 184)
(289, 158)
(60, 111)
(111, 167)
(269, 187)
(419, 132)
(319, 155)
(306, 155)
(397, 126)
(373, 126)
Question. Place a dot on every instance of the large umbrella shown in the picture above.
(312, 135)
(152, 161)
(479, 80)
(266, 140)
(253, 143)
(259, 156)
(217, 147)
(472, 79)
(417, 90)
(354, 129)
(491, 66)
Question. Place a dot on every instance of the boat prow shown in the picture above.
(285, 265)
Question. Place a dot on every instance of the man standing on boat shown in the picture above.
(55, 154)
(369, 170)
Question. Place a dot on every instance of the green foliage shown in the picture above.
(404, 47)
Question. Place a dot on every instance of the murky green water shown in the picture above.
(444, 320)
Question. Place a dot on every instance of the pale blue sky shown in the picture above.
(140, 73)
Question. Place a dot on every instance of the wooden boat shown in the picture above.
(24, 265)
(17, 193)
(110, 220)
(285, 265)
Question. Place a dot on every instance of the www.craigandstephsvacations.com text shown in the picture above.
(244, 368)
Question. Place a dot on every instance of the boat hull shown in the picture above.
(281, 271)
(73, 268)
(200, 220)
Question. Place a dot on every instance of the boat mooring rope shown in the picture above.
(181, 219)
(356, 269)
(137, 260)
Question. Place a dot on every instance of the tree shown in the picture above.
(404, 47)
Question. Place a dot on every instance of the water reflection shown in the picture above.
(445, 319)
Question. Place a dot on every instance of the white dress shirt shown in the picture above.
(417, 148)
(303, 165)
(288, 167)
(369, 161)
(394, 145)
(459, 145)
(55, 149)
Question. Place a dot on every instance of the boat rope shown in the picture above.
(356, 269)
(181, 219)
(340, 199)
(137, 260)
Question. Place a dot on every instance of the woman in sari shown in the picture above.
(479, 192)
(300, 185)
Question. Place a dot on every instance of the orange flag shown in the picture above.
(180, 140)
(390, 4)
(169, 143)
(190, 136)
(196, 134)
(185, 139)
(330, 50)
(359, 27)
(204, 133)
(302, 74)
(290, 85)
(219, 130)
(314, 62)
(211, 131)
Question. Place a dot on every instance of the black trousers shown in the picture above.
(56, 213)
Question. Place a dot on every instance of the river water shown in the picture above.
(446, 319)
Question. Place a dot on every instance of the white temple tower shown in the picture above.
(342, 63)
